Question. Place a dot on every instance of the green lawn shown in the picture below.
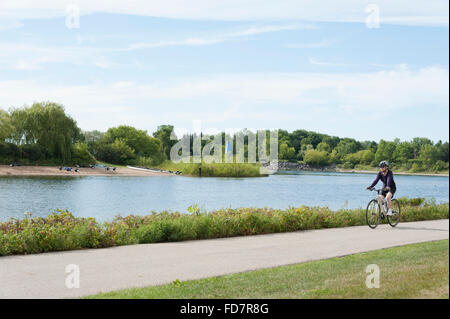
(412, 271)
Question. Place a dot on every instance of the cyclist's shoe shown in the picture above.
(389, 213)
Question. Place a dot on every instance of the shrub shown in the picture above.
(81, 155)
(9, 150)
(63, 231)
(416, 168)
(405, 201)
(32, 152)
(117, 152)
(439, 166)
(348, 165)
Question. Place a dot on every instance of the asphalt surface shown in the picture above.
(101, 270)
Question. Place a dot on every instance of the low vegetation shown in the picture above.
(214, 169)
(411, 271)
(63, 231)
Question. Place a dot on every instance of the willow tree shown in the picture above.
(6, 127)
(47, 125)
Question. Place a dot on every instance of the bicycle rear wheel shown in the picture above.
(395, 218)
(373, 213)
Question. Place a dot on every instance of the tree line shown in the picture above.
(315, 149)
(43, 133)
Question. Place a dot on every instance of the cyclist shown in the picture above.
(389, 188)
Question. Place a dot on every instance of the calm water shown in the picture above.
(105, 197)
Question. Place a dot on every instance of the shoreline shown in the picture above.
(396, 173)
(290, 166)
(6, 170)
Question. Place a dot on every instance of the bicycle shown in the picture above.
(377, 211)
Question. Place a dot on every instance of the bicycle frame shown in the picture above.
(378, 198)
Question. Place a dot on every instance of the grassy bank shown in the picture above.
(411, 271)
(63, 231)
(214, 169)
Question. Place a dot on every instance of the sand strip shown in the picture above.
(6, 170)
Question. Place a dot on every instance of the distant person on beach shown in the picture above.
(389, 187)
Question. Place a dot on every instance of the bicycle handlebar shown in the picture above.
(379, 190)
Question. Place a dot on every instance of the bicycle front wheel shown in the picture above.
(373, 213)
(395, 217)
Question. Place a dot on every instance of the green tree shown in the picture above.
(91, 138)
(347, 146)
(6, 127)
(360, 157)
(286, 152)
(47, 125)
(385, 151)
(428, 155)
(333, 141)
(334, 157)
(163, 133)
(322, 146)
(315, 157)
(367, 156)
(81, 154)
(417, 144)
(403, 152)
(117, 152)
(296, 137)
(443, 151)
(138, 140)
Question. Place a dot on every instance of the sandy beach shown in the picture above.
(6, 170)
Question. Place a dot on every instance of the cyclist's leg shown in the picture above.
(388, 199)
(381, 199)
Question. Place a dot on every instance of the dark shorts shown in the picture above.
(393, 190)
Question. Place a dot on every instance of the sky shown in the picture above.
(369, 70)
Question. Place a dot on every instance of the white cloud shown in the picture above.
(184, 42)
(322, 63)
(324, 43)
(250, 31)
(253, 98)
(22, 56)
(419, 12)
(253, 30)
(6, 24)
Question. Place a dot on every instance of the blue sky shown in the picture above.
(247, 64)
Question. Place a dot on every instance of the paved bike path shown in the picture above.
(101, 270)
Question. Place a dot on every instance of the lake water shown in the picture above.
(106, 197)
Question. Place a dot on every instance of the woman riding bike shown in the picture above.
(389, 188)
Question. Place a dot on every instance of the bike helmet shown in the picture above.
(383, 164)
